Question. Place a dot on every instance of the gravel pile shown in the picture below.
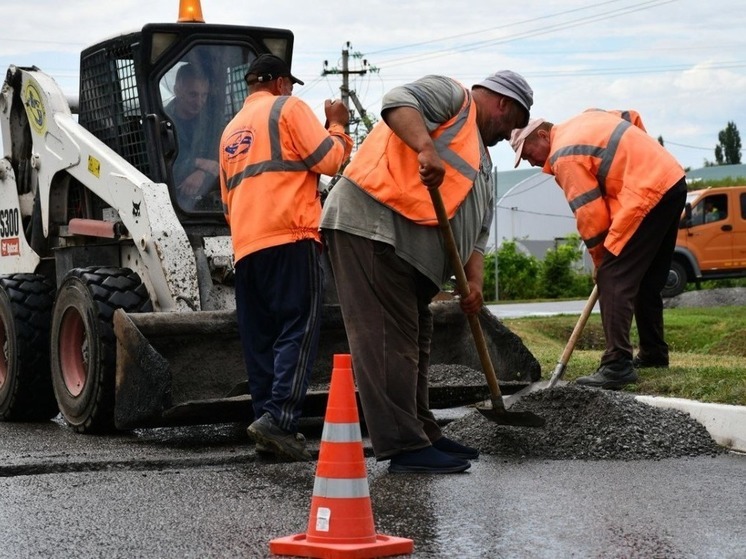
(718, 297)
(588, 424)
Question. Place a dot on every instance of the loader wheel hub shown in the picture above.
(73, 352)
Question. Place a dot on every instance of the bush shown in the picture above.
(522, 276)
(559, 275)
(517, 273)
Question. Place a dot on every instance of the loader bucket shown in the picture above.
(187, 368)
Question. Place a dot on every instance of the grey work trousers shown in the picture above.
(385, 307)
(631, 283)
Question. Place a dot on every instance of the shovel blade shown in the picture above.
(510, 400)
(498, 414)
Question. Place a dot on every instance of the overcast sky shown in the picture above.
(680, 63)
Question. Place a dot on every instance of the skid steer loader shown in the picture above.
(116, 291)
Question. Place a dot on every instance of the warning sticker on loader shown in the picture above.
(10, 247)
(35, 108)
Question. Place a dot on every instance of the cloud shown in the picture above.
(681, 63)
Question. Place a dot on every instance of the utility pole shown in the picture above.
(346, 92)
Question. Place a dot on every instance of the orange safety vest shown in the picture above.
(387, 168)
(612, 174)
(271, 156)
(630, 115)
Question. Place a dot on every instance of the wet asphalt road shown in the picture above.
(203, 492)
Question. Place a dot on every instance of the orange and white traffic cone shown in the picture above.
(341, 520)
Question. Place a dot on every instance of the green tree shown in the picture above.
(560, 276)
(518, 273)
(728, 150)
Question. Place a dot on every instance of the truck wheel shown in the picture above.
(676, 281)
(83, 345)
(25, 383)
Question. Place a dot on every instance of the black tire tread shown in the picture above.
(111, 289)
(31, 297)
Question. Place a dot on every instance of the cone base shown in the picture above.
(299, 546)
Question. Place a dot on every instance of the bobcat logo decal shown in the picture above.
(136, 209)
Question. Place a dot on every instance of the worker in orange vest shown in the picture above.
(388, 256)
(627, 193)
(271, 156)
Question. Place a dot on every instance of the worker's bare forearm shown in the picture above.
(474, 270)
(407, 123)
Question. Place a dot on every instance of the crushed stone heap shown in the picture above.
(588, 424)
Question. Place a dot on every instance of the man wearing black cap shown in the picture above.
(388, 256)
(271, 156)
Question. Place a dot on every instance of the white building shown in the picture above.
(532, 212)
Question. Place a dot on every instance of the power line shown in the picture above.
(687, 146)
(515, 209)
(531, 33)
(507, 25)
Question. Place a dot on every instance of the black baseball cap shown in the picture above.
(268, 67)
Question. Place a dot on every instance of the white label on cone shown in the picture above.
(323, 515)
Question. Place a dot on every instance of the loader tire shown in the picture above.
(25, 382)
(83, 345)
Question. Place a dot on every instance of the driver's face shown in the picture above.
(191, 96)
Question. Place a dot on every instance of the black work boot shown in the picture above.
(643, 362)
(611, 376)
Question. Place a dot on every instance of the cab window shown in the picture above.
(710, 209)
(200, 94)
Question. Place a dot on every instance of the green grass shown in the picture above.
(707, 359)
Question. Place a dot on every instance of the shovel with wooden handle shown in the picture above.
(497, 412)
(561, 367)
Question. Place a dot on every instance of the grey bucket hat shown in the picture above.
(510, 84)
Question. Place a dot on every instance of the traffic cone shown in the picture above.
(341, 525)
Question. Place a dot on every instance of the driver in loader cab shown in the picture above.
(271, 156)
(196, 168)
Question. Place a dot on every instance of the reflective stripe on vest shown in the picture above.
(606, 155)
(444, 140)
(596, 240)
(387, 169)
(277, 163)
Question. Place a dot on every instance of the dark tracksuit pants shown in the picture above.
(385, 307)
(279, 293)
(631, 282)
